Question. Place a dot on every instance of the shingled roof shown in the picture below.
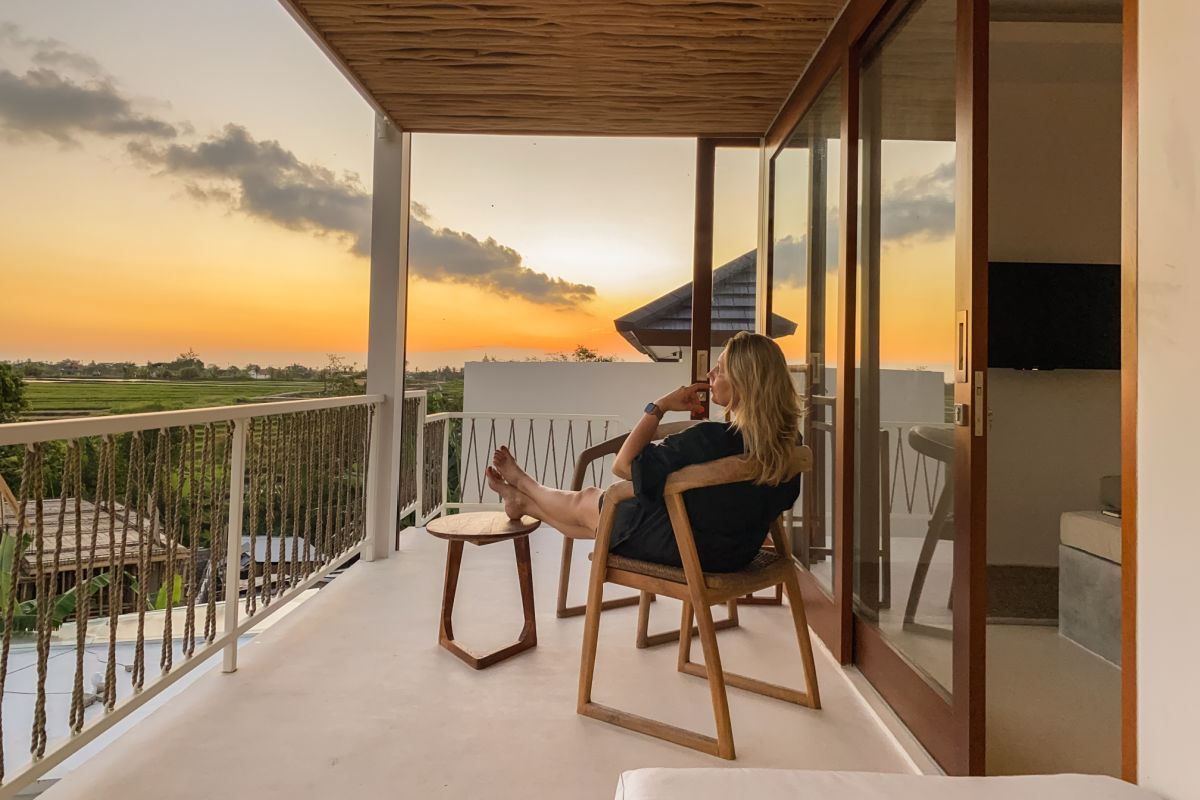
(663, 328)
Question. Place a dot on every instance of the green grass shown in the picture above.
(87, 398)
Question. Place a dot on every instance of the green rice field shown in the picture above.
(55, 399)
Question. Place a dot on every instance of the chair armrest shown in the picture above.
(612, 446)
(617, 493)
(606, 448)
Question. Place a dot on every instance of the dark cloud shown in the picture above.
(43, 103)
(46, 102)
(921, 206)
(789, 263)
(263, 179)
(48, 52)
(917, 207)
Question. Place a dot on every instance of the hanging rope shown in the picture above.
(296, 429)
(75, 719)
(253, 461)
(32, 462)
(174, 529)
(273, 437)
(37, 745)
(216, 533)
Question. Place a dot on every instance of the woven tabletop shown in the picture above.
(481, 527)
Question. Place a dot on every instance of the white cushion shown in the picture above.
(789, 784)
(1092, 532)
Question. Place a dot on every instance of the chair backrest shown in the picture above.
(732, 469)
(612, 446)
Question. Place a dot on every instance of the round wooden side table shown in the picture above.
(480, 528)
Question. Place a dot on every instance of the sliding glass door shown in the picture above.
(805, 275)
(884, 274)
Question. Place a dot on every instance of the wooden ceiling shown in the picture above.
(573, 67)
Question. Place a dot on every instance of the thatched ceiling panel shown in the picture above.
(617, 68)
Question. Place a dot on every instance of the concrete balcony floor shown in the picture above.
(351, 696)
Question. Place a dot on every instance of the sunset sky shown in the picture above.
(197, 175)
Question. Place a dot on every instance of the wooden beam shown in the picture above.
(702, 259)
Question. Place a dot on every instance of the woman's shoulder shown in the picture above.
(713, 437)
(711, 430)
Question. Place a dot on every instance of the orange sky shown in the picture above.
(109, 257)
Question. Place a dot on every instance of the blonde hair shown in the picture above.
(766, 409)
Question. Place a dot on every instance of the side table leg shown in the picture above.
(453, 562)
(528, 636)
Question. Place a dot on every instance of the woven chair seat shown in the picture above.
(754, 573)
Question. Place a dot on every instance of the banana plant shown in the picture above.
(25, 615)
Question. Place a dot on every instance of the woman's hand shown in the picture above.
(685, 398)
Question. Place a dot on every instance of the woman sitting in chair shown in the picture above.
(730, 521)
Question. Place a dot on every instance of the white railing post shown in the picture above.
(233, 544)
(372, 525)
(419, 460)
(446, 465)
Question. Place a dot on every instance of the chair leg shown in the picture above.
(800, 620)
(753, 599)
(591, 636)
(932, 537)
(561, 609)
(685, 642)
(646, 639)
(564, 576)
(716, 681)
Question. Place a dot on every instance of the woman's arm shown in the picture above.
(685, 398)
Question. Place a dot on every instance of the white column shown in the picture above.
(385, 346)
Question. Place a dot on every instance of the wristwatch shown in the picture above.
(652, 408)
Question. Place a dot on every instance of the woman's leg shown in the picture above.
(575, 514)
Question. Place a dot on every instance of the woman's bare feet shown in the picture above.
(507, 466)
(514, 504)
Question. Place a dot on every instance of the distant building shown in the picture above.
(662, 329)
(107, 540)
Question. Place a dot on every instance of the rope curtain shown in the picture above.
(431, 462)
(141, 508)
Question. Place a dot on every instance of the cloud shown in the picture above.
(789, 264)
(45, 102)
(262, 179)
(920, 206)
(41, 102)
(440, 254)
(48, 52)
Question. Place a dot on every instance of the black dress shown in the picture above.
(729, 522)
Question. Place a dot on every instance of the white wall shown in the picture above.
(1052, 435)
(1168, 385)
(553, 387)
(1054, 195)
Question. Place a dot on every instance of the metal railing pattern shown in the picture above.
(545, 445)
(203, 521)
(918, 484)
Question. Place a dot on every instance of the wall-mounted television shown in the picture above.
(1054, 316)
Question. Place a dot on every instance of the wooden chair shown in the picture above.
(698, 591)
(586, 460)
(937, 443)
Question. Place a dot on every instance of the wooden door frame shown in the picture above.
(1129, 387)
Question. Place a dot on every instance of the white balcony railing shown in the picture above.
(187, 526)
(444, 455)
